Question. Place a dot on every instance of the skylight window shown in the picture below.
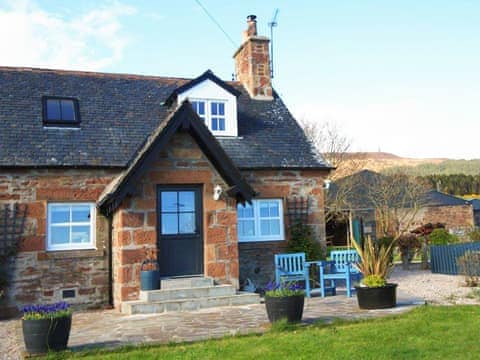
(59, 111)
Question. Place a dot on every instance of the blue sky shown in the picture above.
(396, 76)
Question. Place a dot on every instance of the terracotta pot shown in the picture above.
(42, 336)
(286, 307)
(383, 297)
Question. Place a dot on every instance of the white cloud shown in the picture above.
(92, 40)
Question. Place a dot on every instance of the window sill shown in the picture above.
(74, 253)
(260, 241)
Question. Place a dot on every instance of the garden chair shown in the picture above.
(340, 267)
(294, 267)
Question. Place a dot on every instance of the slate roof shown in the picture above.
(436, 198)
(475, 203)
(118, 113)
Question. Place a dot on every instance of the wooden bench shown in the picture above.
(294, 267)
(340, 267)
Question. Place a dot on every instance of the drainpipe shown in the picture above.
(110, 262)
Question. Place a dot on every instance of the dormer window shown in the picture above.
(59, 111)
(212, 112)
(214, 101)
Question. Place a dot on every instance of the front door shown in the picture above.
(180, 240)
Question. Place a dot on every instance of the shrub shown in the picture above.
(408, 244)
(302, 240)
(374, 260)
(469, 266)
(374, 281)
(442, 237)
(474, 235)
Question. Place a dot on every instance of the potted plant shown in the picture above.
(376, 263)
(149, 271)
(46, 327)
(284, 301)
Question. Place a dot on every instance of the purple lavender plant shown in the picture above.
(283, 289)
(46, 311)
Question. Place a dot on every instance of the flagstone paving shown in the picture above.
(109, 328)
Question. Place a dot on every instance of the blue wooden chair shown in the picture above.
(294, 267)
(340, 267)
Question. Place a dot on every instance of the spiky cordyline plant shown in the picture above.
(374, 260)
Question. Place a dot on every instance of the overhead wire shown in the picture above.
(216, 22)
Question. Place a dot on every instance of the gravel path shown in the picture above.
(434, 288)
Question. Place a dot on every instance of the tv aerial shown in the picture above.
(272, 24)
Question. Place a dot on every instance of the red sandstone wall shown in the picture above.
(38, 275)
(456, 218)
(135, 223)
(256, 258)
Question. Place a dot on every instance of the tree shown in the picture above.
(334, 147)
(396, 198)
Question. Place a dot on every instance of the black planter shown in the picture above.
(377, 298)
(287, 307)
(41, 336)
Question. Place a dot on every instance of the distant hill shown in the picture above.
(386, 162)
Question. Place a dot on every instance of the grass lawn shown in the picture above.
(429, 332)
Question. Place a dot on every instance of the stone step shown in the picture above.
(187, 293)
(143, 307)
(186, 282)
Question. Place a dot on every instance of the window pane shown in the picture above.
(59, 235)
(221, 124)
(264, 209)
(214, 124)
(68, 110)
(214, 108)
(221, 109)
(169, 201)
(59, 214)
(245, 211)
(80, 234)
(274, 210)
(187, 223)
(246, 228)
(169, 224)
(53, 109)
(81, 213)
(199, 107)
(270, 227)
(186, 201)
(274, 227)
(265, 227)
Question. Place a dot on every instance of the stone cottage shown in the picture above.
(110, 166)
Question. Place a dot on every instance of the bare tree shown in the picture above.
(334, 146)
(397, 199)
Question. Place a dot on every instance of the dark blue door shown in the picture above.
(180, 240)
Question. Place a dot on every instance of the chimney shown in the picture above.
(252, 62)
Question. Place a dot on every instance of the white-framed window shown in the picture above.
(260, 221)
(212, 112)
(71, 226)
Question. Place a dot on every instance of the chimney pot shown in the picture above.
(252, 25)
